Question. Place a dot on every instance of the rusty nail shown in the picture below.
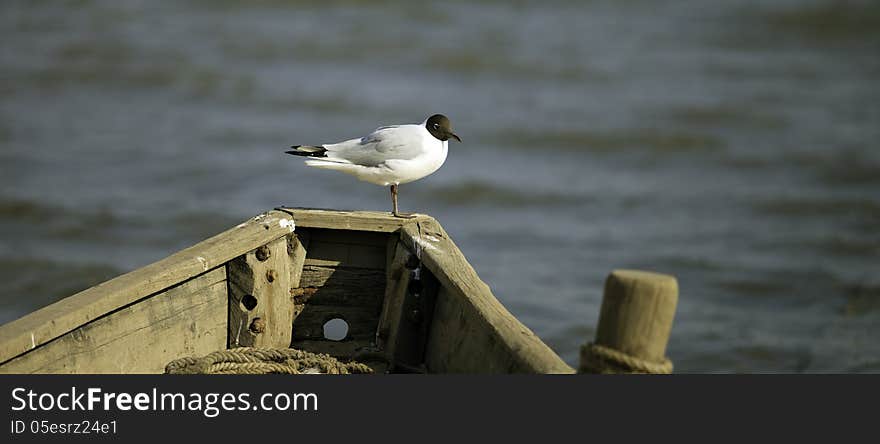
(262, 253)
(258, 326)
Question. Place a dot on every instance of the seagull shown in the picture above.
(389, 156)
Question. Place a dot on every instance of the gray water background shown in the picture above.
(732, 144)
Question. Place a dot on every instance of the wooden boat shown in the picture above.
(410, 299)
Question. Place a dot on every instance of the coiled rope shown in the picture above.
(260, 361)
(597, 358)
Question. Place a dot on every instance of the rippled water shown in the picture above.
(732, 144)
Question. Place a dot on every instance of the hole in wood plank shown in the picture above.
(335, 329)
(248, 302)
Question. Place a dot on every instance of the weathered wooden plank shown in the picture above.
(297, 247)
(298, 250)
(459, 344)
(338, 349)
(349, 220)
(361, 322)
(52, 321)
(334, 254)
(188, 319)
(260, 307)
(470, 326)
(397, 281)
(340, 286)
(370, 238)
(391, 250)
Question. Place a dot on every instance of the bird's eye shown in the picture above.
(436, 126)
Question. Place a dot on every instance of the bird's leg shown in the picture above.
(394, 203)
(394, 198)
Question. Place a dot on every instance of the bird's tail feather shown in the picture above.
(308, 151)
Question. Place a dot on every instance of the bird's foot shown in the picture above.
(404, 215)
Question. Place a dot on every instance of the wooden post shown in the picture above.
(260, 306)
(397, 282)
(634, 324)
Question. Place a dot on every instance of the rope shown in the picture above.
(597, 358)
(260, 361)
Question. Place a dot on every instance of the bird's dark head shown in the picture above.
(440, 127)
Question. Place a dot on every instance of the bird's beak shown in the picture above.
(455, 136)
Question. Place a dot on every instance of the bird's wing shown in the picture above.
(402, 142)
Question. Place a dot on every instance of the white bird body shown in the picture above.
(389, 156)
